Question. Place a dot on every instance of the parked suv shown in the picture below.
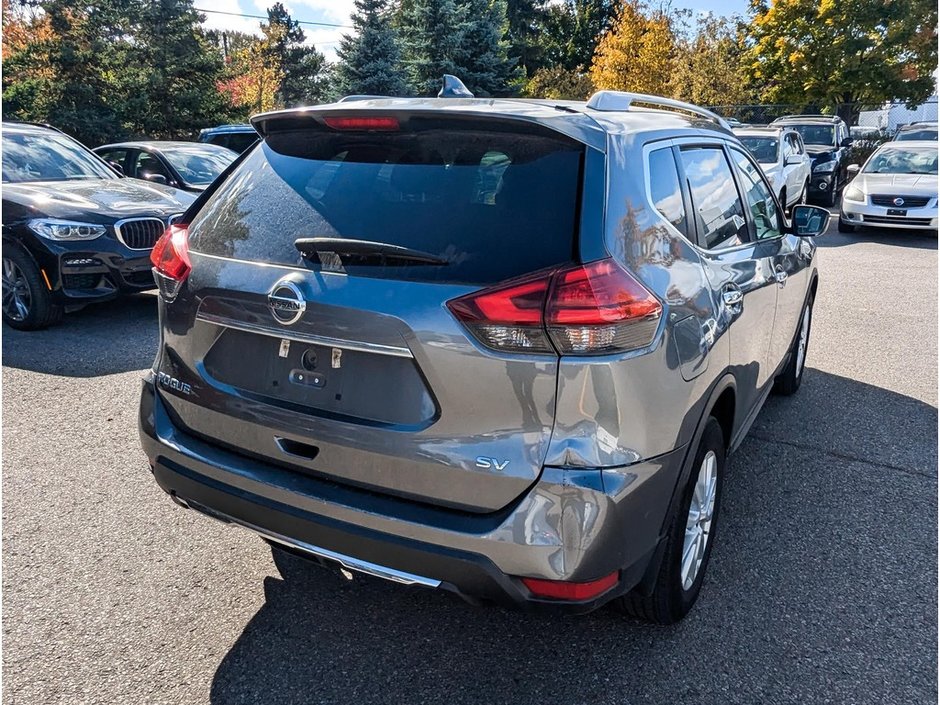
(75, 232)
(237, 138)
(384, 348)
(827, 140)
(782, 158)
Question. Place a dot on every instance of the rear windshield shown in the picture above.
(493, 203)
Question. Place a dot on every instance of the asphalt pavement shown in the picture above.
(822, 586)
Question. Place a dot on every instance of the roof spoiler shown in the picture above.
(616, 101)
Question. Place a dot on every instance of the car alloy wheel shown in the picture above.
(17, 297)
(699, 521)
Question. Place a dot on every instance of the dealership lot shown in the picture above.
(822, 586)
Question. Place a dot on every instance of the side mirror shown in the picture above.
(794, 159)
(117, 167)
(809, 221)
(847, 142)
(155, 178)
(852, 170)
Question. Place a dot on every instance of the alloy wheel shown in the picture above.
(17, 297)
(699, 522)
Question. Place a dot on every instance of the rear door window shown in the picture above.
(494, 203)
(718, 211)
(665, 189)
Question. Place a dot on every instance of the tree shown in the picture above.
(370, 61)
(569, 32)
(432, 31)
(297, 67)
(483, 55)
(557, 83)
(466, 38)
(169, 85)
(636, 53)
(844, 54)
(709, 67)
(524, 18)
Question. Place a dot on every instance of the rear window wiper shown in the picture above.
(363, 251)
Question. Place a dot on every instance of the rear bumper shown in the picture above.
(573, 524)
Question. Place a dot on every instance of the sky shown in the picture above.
(326, 39)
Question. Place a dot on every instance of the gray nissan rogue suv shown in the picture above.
(499, 347)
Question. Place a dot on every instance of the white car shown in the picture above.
(896, 188)
(783, 159)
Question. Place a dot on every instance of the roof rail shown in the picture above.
(830, 118)
(621, 101)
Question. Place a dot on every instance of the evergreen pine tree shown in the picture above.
(432, 31)
(370, 61)
(487, 69)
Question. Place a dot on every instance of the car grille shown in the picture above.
(909, 201)
(896, 219)
(139, 233)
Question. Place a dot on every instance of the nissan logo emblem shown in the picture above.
(286, 302)
(899, 201)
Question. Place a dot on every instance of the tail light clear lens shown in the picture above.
(170, 258)
(579, 310)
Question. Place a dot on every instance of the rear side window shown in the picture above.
(719, 213)
(665, 189)
(493, 204)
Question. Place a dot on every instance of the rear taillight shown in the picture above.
(170, 257)
(586, 309)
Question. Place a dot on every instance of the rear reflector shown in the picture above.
(362, 123)
(586, 309)
(563, 590)
(170, 258)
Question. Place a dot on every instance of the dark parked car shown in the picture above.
(74, 231)
(237, 138)
(190, 166)
(827, 141)
(383, 348)
(917, 131)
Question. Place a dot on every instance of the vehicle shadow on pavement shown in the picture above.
(912, 238)
(101, 339)
(826, 567)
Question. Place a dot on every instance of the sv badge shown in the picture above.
(491, 463)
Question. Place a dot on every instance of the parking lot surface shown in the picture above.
(822, 586)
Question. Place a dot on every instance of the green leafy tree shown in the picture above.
(709, 67)
(843, 54)
(569, 32)
(525, 18)
(370, 61)
(557, 83)
(300, 69)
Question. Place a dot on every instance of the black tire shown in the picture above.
(41, 311)
(846, 227)
(789, 380)
(670, 600)
(831, 197)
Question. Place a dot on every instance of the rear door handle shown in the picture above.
(780, 275)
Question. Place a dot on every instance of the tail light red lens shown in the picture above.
(579, 310)
(576, 592)
(170, 258)
(380, 123)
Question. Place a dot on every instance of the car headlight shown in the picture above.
(53, 229)
(825, 167)
(854, 193)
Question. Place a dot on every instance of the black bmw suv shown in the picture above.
(74, 231)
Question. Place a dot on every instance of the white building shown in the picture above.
(894, 115)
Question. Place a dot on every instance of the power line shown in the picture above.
(262, 17)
